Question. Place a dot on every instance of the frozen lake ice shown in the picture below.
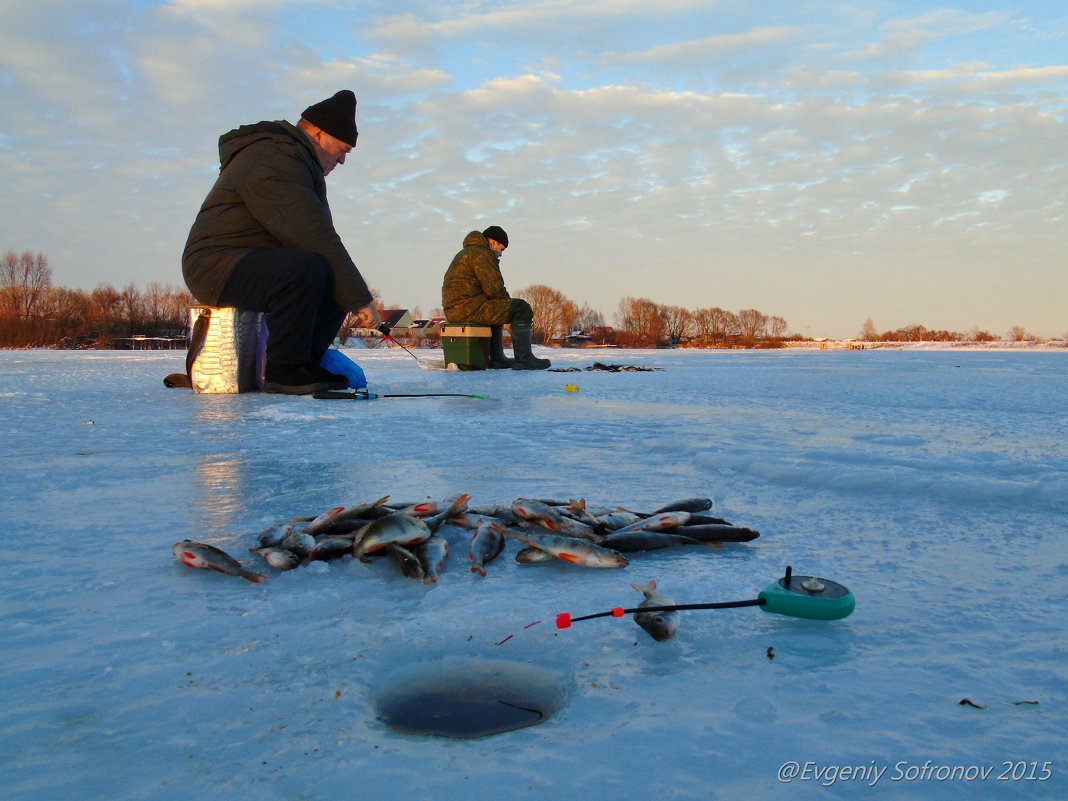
(933, 484)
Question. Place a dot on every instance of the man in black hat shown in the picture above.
(264, 241)
(473, 292)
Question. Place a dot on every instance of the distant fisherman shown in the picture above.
(474, 293)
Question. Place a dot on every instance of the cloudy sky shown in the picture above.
(825, 162)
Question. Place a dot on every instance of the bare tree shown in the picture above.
(1019, 334)
(678, 322)
(132, 308)
(868, 332)
(587, 319)
(713, 324)
(777, 328)
(751, 326)
(24, 280)
(553, 313)
(640, 322)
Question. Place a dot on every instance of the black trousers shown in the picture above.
(295, 288)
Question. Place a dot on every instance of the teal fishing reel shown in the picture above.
(808, 597)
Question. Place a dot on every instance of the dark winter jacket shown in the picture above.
(473, 290)
(270, 193)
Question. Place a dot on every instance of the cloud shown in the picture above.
(709, 48)
(908, 34)
(709, 159)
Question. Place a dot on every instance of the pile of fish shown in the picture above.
(611, 368)
(411, 535)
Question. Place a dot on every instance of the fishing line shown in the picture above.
(384, 330)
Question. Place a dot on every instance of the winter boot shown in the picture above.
(292, 380)
(497, 359)
(524, 358)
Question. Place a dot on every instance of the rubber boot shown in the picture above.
(524, 358)
(497, 359)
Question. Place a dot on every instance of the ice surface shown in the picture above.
(933, 484)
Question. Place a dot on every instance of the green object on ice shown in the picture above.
(808, 597)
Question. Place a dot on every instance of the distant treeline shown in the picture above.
(35, 314)
(917, 333)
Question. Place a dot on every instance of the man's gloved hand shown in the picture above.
(369, 316)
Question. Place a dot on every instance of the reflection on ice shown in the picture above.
(220, 491)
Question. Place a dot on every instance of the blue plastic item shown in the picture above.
(337, 362)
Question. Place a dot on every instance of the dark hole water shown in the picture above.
(467, 698)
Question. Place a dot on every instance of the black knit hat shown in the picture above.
(496, 232)
(336, 116)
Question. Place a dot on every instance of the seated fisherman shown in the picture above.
(264, 240)
(473, 292)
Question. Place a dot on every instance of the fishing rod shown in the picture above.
(363, 394)
(384, 329)
(795, 596)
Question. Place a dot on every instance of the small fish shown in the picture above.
(618, 519)
(540, 513)
(659, 625)
(346, 527)
(570, 549)
(431, 555)
(529, 555)
(451, 507)
(340, 513)
(686, 505)
(716, 532)
(486, 545)
(273, 535)
(330, 548)
(278, 558)
(472, 520)
(299, 542)
(698, 519)
(660, 522)
(628, 541)
(430, 508)
(578, 510)
(324, 519)
(397, 528)
(404, 560)
(199, 554)
(491, 510)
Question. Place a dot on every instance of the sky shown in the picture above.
(824, 162)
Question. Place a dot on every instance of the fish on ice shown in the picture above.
(660, 625)
(199, 554)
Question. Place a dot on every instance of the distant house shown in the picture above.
(399, 320)
(577, 339)
(427, 329)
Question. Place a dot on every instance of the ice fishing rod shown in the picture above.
(795, 596)
(384, 329)
(363, 394)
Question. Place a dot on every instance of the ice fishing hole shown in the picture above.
(467, 698)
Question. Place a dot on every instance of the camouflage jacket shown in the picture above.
(270, 193)
(473, 290)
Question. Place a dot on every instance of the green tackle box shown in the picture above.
(466, 346)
